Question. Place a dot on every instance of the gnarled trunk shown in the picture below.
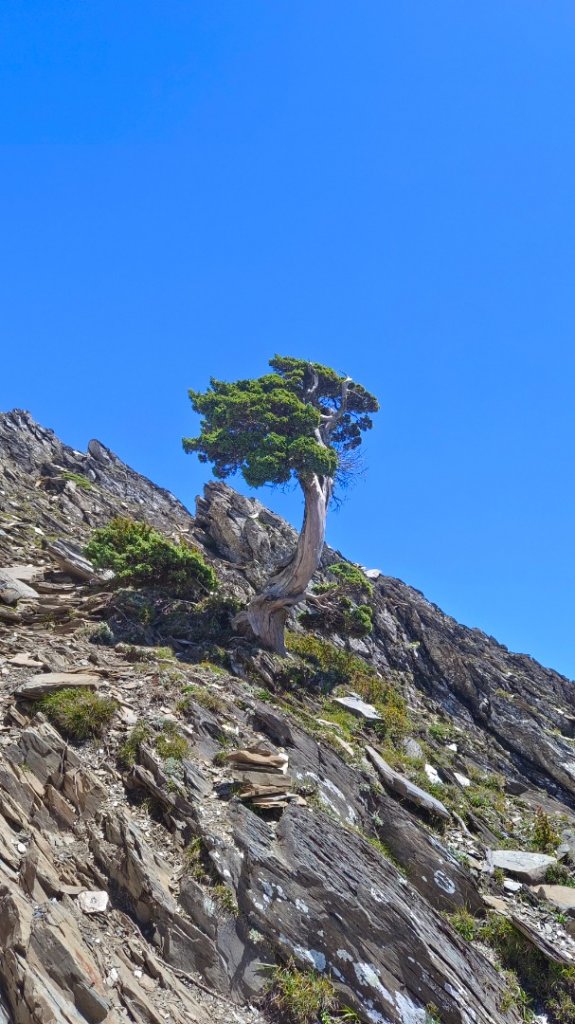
(266, 615)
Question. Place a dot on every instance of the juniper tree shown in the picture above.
(300, 421)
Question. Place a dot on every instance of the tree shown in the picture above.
(302, 420)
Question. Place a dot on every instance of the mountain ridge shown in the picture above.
(486, 734)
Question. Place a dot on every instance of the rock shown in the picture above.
(463, 781)
(95, 902)
(433, 775)
(528, 867)
(561, 896)
(340, 907)
(71, 558)
(413, 749)
(512, 886)
(403, 787)
(358, 707)
(25, 660)
(12, 589)
(47, 682)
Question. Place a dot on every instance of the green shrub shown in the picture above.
(300, 997)
(544, 835)
(141, 556)
(102, 635)
(351, 577)
(200, 695)
(542, 980)
(78, 479)
(77, 713)
(128, 753)
(170, 743)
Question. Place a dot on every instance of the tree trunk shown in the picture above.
(267, 613)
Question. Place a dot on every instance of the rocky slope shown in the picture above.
(234, 815)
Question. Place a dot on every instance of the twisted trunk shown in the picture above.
(266, 615)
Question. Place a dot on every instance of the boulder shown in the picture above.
(561, 896)
(403, 787)
(526, 866)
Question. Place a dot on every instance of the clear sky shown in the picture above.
(388, 187)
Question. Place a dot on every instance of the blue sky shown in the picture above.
(187, 188)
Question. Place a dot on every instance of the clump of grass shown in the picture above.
(128, 753)
(325, 666)
(78, 479)
(441, 732)
(146, 654)
(102, 635)
(464, 923)
(559, 874)
(538, 978)
(78, 713)
(200, 695)
(225, 899)
(300, 997)
(170, 743)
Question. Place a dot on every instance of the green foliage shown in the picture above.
(559, 874)
(464, 923)
(225, 899)
(544, 835)
(170, 743)
(325, 666)
(141, 556)
(128, 753)
(78, 713)
(200, 695)
(78, 479)
(542, 980)
(352, 577)
(441, 731)
(301, 997)
(267, 428)
(102, 635)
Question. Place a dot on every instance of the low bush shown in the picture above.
(141, 556)
(78, 713)
(304, 997)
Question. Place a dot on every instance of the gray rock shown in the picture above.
(528, 867)
(404, 787)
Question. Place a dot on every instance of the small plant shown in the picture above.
(77, 713)
(440, 731)
(432, 1014)
(544, 835)
(102, 635)
(300, 997)
(559, 874)
(351, 576)
(78, 479)
(225, 899)
(128, 753)
(464, 923)
(170, 744)
(200, 695)
(141, 556)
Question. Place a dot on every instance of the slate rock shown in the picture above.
(526, 866)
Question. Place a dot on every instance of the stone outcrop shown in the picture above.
(139, 886)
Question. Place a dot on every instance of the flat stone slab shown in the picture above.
(403, 787)
(12, 589)
(526, 866)
(47, 682)
(358, 707)
(561, 896)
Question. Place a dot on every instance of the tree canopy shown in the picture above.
(300, 419)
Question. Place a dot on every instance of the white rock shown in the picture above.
(462, 780)
(93, 902)
(432, 774)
